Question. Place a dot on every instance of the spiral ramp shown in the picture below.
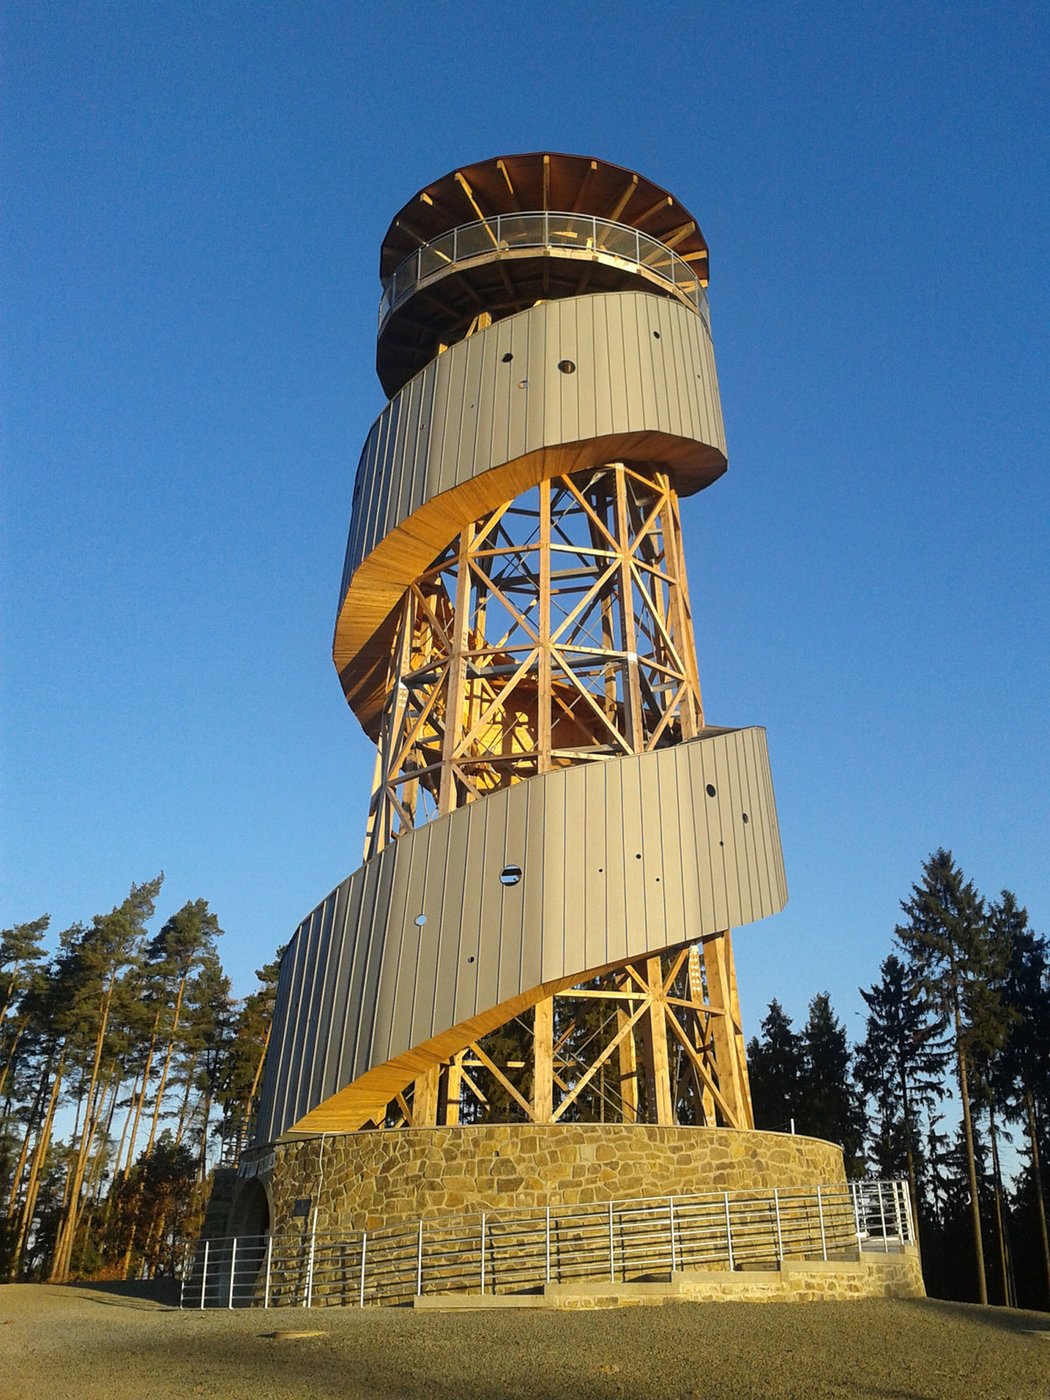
(551, 810)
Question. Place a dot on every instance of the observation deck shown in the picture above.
(493, 239)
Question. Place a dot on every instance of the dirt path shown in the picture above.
(116, 1344)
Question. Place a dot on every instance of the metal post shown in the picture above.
(882, 1216)
(483, 1220)
(204, 1270)
(898, 1213)
(823, 1236)
(612, 1248)
(419, 1263)
(308, 1299)
(908, 1218)
(364, 1249)
(674, 1242)
(855, 1196)
(269, 1264)
(547, 1244)
(780, 1237)
(233, 1271)
(729, 1234)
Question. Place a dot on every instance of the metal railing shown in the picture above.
(523, 1252)
(608, 242)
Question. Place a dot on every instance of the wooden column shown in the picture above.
(658, 1068)
(724, 1032)
(543, 1061)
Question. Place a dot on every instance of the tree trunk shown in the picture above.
(167, 1065)
(9, 1056)
(67, 1228)
(1000, 1219)
(971, 1164)
(242, 1132)
(140, 1100)
(20, 1166)
(43, 1142)
(1037, 1180)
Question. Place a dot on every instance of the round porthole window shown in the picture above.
(567, 366)
(420, 920)
(710, 789)
(510, 875)
(506, 359)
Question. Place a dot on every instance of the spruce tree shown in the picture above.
(775, 1070)
(899, 1065)
(955, 966)
(829, 1105)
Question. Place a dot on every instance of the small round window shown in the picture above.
(710, 789)
(510, 875)
(567, 366)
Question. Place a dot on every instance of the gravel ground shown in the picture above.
(118, 1343)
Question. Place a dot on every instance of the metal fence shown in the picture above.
(503, 233)
(626, 1241)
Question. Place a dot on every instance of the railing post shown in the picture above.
(483, 1225)
(908, 1217)
(308, 1297)
(612, 1247)
(674, 1242)
(547, 1244)
(419, 1263)
(823, 1236)
(204, 1270)
(269, 1266)
(855, 1196)
(233, 1271)
(780, 1237)
(729, 1234)
(364, 1250)
(882, 1217)
(898, 1214)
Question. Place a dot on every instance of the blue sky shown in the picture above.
(195, 200)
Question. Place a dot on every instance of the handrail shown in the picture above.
(524, 1251)
(602, 239)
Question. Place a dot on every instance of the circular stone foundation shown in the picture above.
(364, 1180)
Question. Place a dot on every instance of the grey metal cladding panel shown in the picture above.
(465, 414)
(584, 900)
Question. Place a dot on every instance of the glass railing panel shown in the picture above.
(474, 239)
(538, 230)
(522, 231)
(621, 242)
(571, 231)
(405, 278)
(433, 259)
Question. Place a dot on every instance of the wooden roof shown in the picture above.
(542, 180)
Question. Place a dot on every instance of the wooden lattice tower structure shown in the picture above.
(557, 844)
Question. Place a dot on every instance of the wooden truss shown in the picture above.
(556, 631)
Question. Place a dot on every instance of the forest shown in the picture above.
(129, 1073)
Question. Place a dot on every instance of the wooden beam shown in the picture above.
(621, 203)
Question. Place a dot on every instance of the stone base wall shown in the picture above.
(364, 1180)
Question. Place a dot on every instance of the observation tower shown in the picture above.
(534, 959)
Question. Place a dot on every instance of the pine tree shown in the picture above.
(99, 959)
